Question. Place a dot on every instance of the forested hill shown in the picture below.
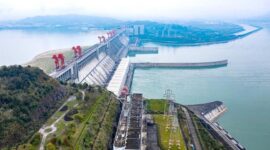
(27, 98)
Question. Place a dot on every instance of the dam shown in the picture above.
(96, 65)
(106, 64)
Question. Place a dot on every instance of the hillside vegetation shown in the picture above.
(177, 35)
(84, 116)
(27, 98)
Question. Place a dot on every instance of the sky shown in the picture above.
(137, 9)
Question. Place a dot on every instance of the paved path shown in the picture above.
(52, 128)
(192, 131)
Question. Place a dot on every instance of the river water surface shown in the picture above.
(244, 85)
(19, 46)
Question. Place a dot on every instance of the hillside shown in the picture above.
(60, 23)
(27, 98)
(34, 106)
(85, 122)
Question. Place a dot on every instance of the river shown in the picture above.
(244, 85)
(20, 46)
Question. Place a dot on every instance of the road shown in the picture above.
(192, 131)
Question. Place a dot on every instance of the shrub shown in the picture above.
(36, 139)
(50, 146)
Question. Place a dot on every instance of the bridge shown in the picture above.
(97, 63)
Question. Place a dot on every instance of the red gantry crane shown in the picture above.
(62, 58)
(124, 91)
(56, 61)
(75, 52)
(79, 51)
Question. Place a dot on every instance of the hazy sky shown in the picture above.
(137, 9)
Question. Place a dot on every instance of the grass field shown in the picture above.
(168, 139)
(156, 106)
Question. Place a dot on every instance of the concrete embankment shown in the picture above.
(215, 113)
(201, 65)
(143, 49)
(134, 50)
(210, 111)
(213, 64)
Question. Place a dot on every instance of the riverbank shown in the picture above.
(171, 44)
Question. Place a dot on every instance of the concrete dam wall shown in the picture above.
(99, 70)
(213, 64)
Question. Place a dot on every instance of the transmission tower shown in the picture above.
(167, 95)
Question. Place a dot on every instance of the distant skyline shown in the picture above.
(138, 9)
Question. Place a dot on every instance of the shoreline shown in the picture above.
(205, 43)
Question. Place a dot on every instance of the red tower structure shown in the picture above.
(79, 51)
(75, 51)
(56, 61)
(62, 58)
(124, 91)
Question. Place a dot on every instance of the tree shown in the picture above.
(78, 118)
(50, 146)
(36, 139)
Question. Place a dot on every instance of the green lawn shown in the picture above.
(164, 126)
(156, 106)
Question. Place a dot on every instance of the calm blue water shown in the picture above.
(18, 47)
(244, 85)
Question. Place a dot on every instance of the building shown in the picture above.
(138, 29)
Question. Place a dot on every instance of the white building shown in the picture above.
(138, 29)
(119, 78)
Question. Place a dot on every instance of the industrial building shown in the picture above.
(129, 130)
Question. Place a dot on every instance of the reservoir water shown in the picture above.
(18, 47)
(244, 85)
